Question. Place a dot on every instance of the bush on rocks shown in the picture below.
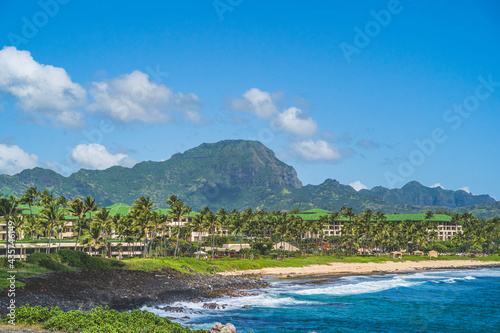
(35, 258)
(4, 262)
(66, 260)
(82, 260)
(53, 265)
(97, 320)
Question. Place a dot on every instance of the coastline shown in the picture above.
(123, 289)
(337, 269)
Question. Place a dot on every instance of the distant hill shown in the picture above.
(238, 174)
(415, 193)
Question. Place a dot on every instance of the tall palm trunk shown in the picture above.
(79, 232)
(176, 253)
(50, 239)
(213, 244)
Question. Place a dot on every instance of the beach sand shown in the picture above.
(344, 269)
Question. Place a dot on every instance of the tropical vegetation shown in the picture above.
(102, 320)
(164, 232)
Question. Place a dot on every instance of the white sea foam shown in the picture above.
(364, 287)
(262, 300)
(456, 275)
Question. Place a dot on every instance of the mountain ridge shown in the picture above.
(235, 174)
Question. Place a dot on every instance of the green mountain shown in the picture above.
(236, 174)
(231, 173)
(415, 193)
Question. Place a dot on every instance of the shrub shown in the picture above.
(35, 258)
(262, 248)
(214, 269)
(53, 265)
(4, 262)
(97, 320)
(47, 261)
(82, 260)
(32, 315)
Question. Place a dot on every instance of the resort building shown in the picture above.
(444, 228)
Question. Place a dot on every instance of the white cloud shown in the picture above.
(13, 159)
(290, 121)
(258, 102)
(357, 185)
(133, 97)
(437, 185)
(42, 91)
(316, 150)
(465, 188)
(96, 156)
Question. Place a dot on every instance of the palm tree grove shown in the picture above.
(39, 217)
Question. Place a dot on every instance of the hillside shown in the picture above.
(238, 174)
(415, 193)
(231, 173)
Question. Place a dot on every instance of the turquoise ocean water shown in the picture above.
(429, 301)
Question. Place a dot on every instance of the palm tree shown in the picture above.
(8, 207)
(318, 228)
(121, 225)
(141, 212)
(236, 225)
(90, 206)
(197, 225)
(494, 232)
(60, 230)
(49, 217)
(18, 223)
(223, 218)
(468, 221)
(212, 224)
(47, 198)
(347, 212)
(31, 198)
(178, 209)
(253, 225)
(104, 220)
(94, 237)
(429, 215)
(77, 209)
(381, 227)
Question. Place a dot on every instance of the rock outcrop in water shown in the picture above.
(219, 328)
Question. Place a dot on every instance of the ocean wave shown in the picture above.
(364, 287)
(192, 309)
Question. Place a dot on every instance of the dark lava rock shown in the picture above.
(122, 289)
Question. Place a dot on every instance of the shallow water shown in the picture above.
(430, 301)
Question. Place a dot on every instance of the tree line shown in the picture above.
(93, 226)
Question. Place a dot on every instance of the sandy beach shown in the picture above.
(343, 269)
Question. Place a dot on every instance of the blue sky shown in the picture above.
(370, 92)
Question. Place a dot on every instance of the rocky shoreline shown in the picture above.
(123, 289)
